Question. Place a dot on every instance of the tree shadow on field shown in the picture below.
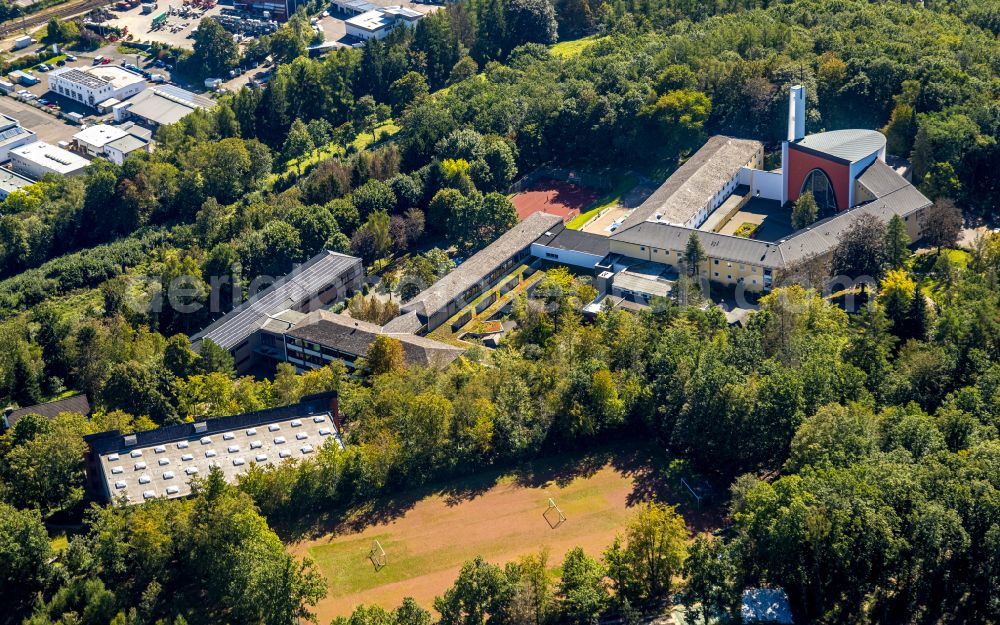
(644, 464)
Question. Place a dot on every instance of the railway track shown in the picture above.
(35, 20)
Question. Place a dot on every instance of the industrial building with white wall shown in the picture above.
(39, 158)
(380, 21)
(94, 85)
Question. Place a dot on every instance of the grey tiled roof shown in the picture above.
(691, 187)
(896, 196)
(437, 296)
(824, 235)
(721, 246)
(881, 179)
(354, 336)
(407, 322)
(76, 403)
(567, 239)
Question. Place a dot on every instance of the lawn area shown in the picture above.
(573, 47)
(59, 542)
(360, 142)
(923, 265)
(610, 198)
(498, 515)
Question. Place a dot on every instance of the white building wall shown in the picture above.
(565, 257)
(766, 184)
(92, 96)
(365, 35)
(856, 169)
(24, 139)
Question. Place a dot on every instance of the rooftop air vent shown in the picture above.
(130, 439)
(200, 427)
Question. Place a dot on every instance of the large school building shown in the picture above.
(741, 212)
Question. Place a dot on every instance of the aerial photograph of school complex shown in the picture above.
(499, 312)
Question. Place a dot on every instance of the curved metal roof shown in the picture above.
(850, 145)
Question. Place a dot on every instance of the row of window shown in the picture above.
(753, 268)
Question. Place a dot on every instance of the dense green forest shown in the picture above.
(860, 453)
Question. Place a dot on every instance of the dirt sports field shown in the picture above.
(554, 196)
(427, 538)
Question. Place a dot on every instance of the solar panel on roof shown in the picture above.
(301, 283)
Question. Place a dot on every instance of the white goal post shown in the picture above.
(554, 515)
(377, 555)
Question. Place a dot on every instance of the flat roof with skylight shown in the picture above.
(164, 461)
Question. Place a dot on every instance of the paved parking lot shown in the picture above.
(176, 31)
(49, 128)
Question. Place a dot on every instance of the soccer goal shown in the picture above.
(377, 555)
(553, 515)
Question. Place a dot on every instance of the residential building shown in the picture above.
(13, 135)
(76, 403)
(324, 279)
(93, 85)
(433, 306)
(162, 462)
(316, 339)
(378, 22)
(34, 160)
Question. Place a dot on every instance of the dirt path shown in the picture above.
(428, 543)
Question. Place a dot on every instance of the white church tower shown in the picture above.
(796, 131)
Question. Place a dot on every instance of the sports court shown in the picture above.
(419, 550)
(556, 197)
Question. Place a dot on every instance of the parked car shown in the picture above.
(105, 61)
(70, 58)
(61, 62)
(44, 67)
(42, 101)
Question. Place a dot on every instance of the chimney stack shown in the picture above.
(796, 113)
